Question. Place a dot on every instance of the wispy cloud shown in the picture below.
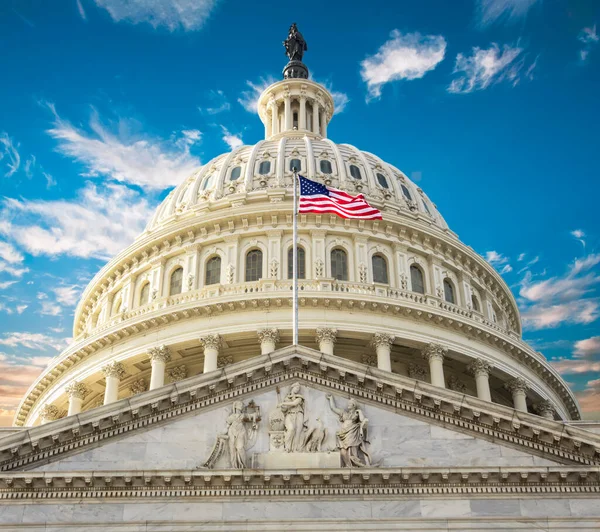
(81, 10)
(499, 261)
(589, 38)
(100, 222)
(33, 341)
(487, 67)
(219, 103)
(249, 98)
(233, 141)
(9, 253)
(9, 154)
(502, 11)
(579, 235)
(405, 56)
(187, 15)
(148, 162)
(6, 284)
(67, 295)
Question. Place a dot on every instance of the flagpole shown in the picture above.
(295, 261)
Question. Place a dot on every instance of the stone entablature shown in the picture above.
(536, 435)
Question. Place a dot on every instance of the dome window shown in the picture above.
(380, 269)
(301, 263)
(426, 207)
(235, 173)
(176, 283)
(145, 294)
(213, 271)
(417, 281)
(325, 166)
(449, 292)
(339, 264)
(475, 303)
(264, 168)
(254, 260)
(382, 181)
(355, 172)
(406, 192)
(208, 181)
(295, 163)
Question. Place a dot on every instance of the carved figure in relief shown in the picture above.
(315, 438)
(237, 438)
(352, 436)
(292, 407)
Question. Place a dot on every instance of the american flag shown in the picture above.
(320, 199)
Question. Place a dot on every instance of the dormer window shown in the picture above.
(406, 192)
(235, 173)
(326, 166)
(295, 164)
(355, 172)
(382, 181)
(264, 168)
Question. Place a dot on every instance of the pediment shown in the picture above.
(410, 423)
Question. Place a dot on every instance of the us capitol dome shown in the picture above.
(188, 332)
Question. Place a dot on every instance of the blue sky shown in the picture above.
(491, 105)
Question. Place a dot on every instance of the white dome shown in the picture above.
(268, 165)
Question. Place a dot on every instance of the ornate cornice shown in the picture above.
(211, 341)
(77, 390)
(114, 369)
(434, 351)
(160, 353)
(405, 396)
(380, 482)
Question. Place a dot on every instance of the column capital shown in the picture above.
(211, 341)
(434, 351)
(268, 334)
(77, 390)
(326, 334)
(114, 369)
(517, 385)
(160, 353)
(382, 339)
(50, 412)
(545, 408)
(479, 367)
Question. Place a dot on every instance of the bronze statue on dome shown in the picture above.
(295, 45)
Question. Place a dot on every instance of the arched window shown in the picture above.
(295, 121)
(449, 291)
(326, 166)
(208, 181)
(380, 269)
(116, 307)
(355, 172)
(145, 294)
(235, 173)
(475, 303)
(382, 181)
(426, 207)
(297, 164)
(417, 282)
(339, 264)
(213, 271)
(176, 282)
(301, 263)
(264, 168)
(406, 192)
(253, 265)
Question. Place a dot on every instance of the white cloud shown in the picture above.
(48, 308)
(6, 284)
(32, 341)
(588, 347)
(486, 67)
(249, 98)
(21, 308)
(67, 295)
(491, 11)
(495, 258)
(9, 253)
(233, 141)
(589, 38)
(220, 104)
(506, 269)
(50, 181)
(151, 163)
(173, 15)
(521, 257)
(579, 235)
(544, 316)
(11, 270)
(99, 223)
(404, 56)
(81, 10)
(9, 151)
(29, 166)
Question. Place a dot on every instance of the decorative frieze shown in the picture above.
(138, 386)
(177, 373)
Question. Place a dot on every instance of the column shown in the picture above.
(302, 121)
(434, 354)
(49, 413)
(274, 119)
(76, 392)
(159, 356)
(323, 121)
(326, 338)
(545, 408)
(383, 347)
(287, 107)
(480, 369)
(518, 388)
(315, 124)
(211, 344)
(113, 372)
(268, 339)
